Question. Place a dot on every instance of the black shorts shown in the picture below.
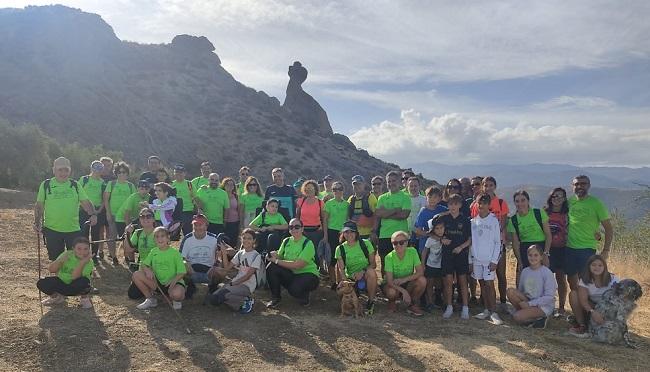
(385, 246)
(432, 272)
(557, 259)
(455, 263)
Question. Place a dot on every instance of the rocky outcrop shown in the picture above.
(303, 107)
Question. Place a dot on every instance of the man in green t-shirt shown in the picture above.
(184, 192)
(244, 172)
(404, 275)
(293, 267)
(56, 212)
(586, 215)
(212, 201)
(393, 208)
(201, 180)
(94, 186)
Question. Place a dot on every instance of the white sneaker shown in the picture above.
(496, 319)
(85, 303)
(177, 305)
(148, 303)
(484, 315)
(464, 314)
(449, 311)
(53, 300)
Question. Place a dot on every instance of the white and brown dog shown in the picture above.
(349, 299)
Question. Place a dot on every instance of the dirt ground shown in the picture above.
(114, 336)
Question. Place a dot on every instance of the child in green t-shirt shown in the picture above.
(73, 271)
(270, 226)
(163, 269)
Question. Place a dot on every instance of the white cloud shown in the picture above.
(569, 102)
(456, 139)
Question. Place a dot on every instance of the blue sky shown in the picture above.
(455, 82)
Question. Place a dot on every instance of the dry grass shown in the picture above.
(115, 336)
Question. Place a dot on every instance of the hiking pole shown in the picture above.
(40, 295)
(118, 239)
(169, 302)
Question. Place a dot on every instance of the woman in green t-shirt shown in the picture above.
(250, 200)
(140, 240)
(529, 226)
(335, 214)
(115, 195)
(73, 271)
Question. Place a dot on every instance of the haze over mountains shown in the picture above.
(66, 71)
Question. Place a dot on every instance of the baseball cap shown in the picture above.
(179, 167)
(62, 162)
(436, 220)
(349, 226)
(328, 177)
(97, 166)
(143, 183)
(357, 178)
(200, 218)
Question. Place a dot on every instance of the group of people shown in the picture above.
(432, 242)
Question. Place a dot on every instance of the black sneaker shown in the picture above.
(539, 323)
(273, 304)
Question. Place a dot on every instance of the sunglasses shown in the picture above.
(252, 184)
(146, 216)
(295, 227)
(399, 242)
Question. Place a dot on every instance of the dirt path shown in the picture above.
(114, 336)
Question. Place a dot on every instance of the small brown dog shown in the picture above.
(349, 299)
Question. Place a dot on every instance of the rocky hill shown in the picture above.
(67, 72)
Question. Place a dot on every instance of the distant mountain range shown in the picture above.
(539, 174)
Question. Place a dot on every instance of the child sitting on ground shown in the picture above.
(432, 257)
(73, 271)
(163, 269)
(534, 299)
(238, 294)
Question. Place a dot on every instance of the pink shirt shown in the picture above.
(310, 211)
(232, 213)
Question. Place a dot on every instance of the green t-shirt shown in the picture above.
(132, 204)
(199, 181)
(390, 201)
(323, 194)
(65, 272)
(529, 229)
(165, 264)
(94, 188)
(291, 250)
(143, 242)
(240, 188)
(119, 192)
(269, 219)
(214, 201)
(337, 212)
(251, 201)
(61, 205)
(585, 217)
(183, 192)
(355, 260)
(404, 267)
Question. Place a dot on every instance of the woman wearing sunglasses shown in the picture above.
(141, 241)
(249, 201)
(292, 267)
(404, 275)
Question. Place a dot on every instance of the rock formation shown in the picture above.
(303, 107)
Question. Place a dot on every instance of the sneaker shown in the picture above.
(464, 313)
(247, 306)
(53, 300)
(148, 303)
(495, 319)
(177, 305)
(94, 290)
(483, 315)
(370, 308)
(273, 304)
(85, 303)
(539, 323)
(579, 331)
(448, 312)
(414, 310)
(392, 307)
(559, 313)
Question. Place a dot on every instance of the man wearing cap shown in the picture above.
(56, 212)
(184, 192)
(212, 201)
(285, 194)
(199, 248)
(362, 207)
(154, 165)
(201, 180)
(244, 172)
(327, 192)
(94, 186)
(393, 207)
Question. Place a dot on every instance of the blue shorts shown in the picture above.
(576, 259)
(557, 259)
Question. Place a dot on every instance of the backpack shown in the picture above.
(538, 217)
(48, 189)
(113, 182)
(286, 240)
(364, 249)
(365, 206)
(260, 274)
(85, 179)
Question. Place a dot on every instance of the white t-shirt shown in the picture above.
(243, 260)
(595, 293)
(486, 240)
(199, 251)
(434, 257)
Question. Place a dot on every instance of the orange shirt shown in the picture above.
(310, 211)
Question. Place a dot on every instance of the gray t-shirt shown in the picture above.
(539, 286)
(199, 251)
(434, 258)
(245, 261)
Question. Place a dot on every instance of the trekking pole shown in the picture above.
(40, 295)
(169, 302)
(118, 239)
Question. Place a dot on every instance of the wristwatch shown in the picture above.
(276, 261)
